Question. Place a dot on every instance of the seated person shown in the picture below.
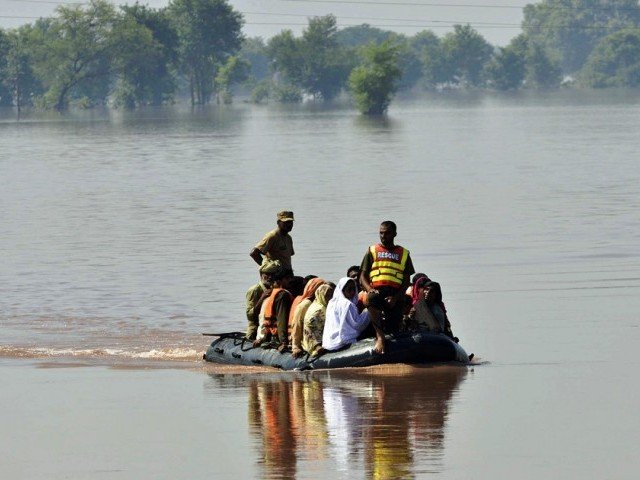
(258, 294)
(354, 272)
(343, 323)
(414, 280)
(307, 278)
(314, 320)
(428, 310)
(274, 327)
(296, 285)
(296, 315)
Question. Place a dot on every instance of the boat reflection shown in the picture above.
(381, 423)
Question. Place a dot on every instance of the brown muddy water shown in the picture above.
(124, 236)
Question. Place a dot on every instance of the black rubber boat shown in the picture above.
(413, 347)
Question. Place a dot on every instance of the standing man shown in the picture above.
(277, 244)
(384, 274)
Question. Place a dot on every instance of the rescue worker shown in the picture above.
(258, 294)
(274, 329)
(384, 274)
(276, 244)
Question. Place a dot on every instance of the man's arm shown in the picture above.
(406, 281)
(256, 255)
(261, 248)
(365, 268)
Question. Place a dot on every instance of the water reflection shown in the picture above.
(377, 424)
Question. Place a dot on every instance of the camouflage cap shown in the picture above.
(285, 216)
(270, 267)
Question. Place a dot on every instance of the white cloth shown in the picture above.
(343, 323)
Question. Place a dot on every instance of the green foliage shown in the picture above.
(90, 53)
(147, 57)
(543, 71)
(261, 91)
(6, 96)
(361, 35)
(615, 62)
(571, 29)
(507, 68)
(465, 54)
(374, 82)
(136, 58)
(72, 53)
(235, 70)
(19, 74)
(209, 32)
(254, 51)
(315, 62)
(428, 48)
(285, 93)
(408, 61)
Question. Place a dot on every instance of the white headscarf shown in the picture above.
(343, 323)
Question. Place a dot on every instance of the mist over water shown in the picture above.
(126, 234)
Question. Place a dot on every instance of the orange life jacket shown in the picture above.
(388, 266)
(270, 321)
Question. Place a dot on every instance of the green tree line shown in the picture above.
(97, 54)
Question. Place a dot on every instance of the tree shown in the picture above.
(542, 70)
(615, 62)
(360, 35)
(5, 93)
(315, 62)
(137, 57)
(408, 61)
(285, 54)
(571, 29)
(374, 82)
(147, 56)
(72, 53)
(466, 52)
(236, 70)
(209, 32)
(254, 51)
(507, 68)
(325, 68)
(18, 84)
(435, 69)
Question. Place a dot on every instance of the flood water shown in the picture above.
(125, 235)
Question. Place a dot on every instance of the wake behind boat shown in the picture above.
(410, 347)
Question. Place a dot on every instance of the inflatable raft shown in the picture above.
(412, 347)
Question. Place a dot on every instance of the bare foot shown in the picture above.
(379, 346)
(257, 343)
(297, 353)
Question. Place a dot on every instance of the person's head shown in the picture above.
(309, 277)
(296, 285)
(388, 232)
(418, 276)
(330, 290)
(266, 280)
(311, 286)
(418, 288)
(282, 278)
(285, 221)
(353, 272)
(349, 290)
(324, 293)
(432, 293)
(267, 271)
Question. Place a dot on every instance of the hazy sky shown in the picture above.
(497, 20)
